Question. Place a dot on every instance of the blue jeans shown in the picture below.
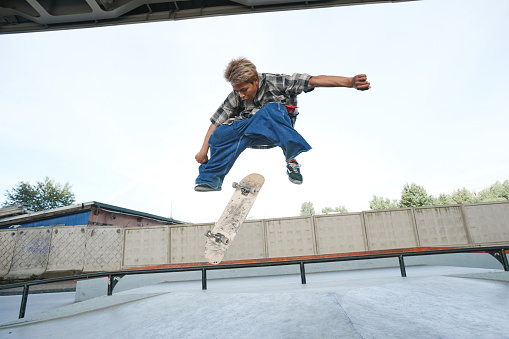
(270, 125)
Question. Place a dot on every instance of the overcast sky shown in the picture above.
(120, 112)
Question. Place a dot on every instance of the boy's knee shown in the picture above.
(223, 135)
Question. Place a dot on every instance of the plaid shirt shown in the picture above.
(278, 88)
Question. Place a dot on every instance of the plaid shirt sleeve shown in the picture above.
(290, 84)
(227, 110)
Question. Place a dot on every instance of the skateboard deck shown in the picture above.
(220, 238)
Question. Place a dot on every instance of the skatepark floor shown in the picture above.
(431, 302)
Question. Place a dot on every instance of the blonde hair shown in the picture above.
(239, 71)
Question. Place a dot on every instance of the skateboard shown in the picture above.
(226, 228)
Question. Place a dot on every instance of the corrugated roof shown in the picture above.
(65, 220)
(55, 213)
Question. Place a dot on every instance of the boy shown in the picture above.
(256, 114)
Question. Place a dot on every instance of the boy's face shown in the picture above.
(247, 91)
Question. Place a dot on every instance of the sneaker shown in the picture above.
(205, 188)
(293, 171)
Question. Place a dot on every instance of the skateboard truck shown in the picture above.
(218, 237)
(244, 189)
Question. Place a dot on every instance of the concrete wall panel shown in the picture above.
(249, 242)
(340, 233)
(67, 248)
(290, 237)
(34, 251)
(390, 229)
(441, 226)
(488, 223)
(7, 244)
(104, 249)
(31, 252)
(188, 243)
(146, 246)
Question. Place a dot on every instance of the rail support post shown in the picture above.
(24, 300)
(503, 257)
(402, 266)
(110, 284)
(302, 273)
(203, 279)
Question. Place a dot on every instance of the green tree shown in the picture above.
(340, 209)
(307, 208)
(443, 199)
(497, 192)
(414, 195)
(464, 196)
(381, 203)
(44, 195)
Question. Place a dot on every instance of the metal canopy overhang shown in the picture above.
(18, 16)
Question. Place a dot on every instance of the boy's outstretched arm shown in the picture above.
(359, 82)
(202, 156)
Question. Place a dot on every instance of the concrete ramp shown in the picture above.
(239, 315)
(377, 303)
(194, 315)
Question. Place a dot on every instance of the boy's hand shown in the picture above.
(201, 157)
(360, 82)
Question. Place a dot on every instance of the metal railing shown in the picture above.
(499, 252)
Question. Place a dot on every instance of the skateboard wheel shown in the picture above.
(225, 240)
(235, 184)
